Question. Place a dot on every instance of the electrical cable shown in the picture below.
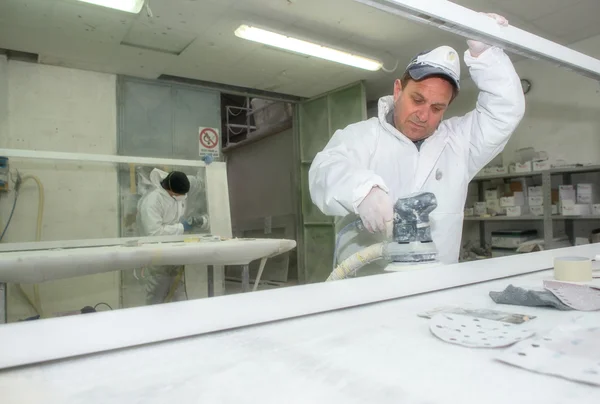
(11, 215)
(393, 70)
(17, 187)
(102, 303)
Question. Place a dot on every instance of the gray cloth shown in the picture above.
(524, 297)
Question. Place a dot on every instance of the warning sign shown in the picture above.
(209, 140)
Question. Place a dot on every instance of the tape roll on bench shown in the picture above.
(573, 269)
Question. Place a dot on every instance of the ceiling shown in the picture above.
(194, 39)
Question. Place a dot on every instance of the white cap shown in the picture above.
(442, 60)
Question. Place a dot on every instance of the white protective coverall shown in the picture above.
(373, 153)
(159, 214)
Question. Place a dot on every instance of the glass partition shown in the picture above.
(82, 204)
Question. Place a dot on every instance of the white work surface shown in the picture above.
(377, 353)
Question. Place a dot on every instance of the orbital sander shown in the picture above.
(411, 243)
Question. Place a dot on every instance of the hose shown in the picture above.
(37, 301)
(38, 233)
(357, 223)
(357, 260)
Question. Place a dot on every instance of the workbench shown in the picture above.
(356, 348)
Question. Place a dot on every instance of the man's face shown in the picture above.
(420, 106)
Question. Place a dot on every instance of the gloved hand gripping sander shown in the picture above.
(412, 243)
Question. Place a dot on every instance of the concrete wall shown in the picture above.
(57, 109)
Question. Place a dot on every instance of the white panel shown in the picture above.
(470, 24)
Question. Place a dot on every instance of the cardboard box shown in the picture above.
(495, 193)
(541, 165)
(495, 170)
(583, 209)
(492, 203)
(535, 201)
(519, 198)
(521, 167)
(537, 210)
(513, 211)
(566, 193)
(507, 201)
(554, 195)
(568, 210)
(596, 209)
(480, 209)
(515, 186)
(535, 191)
(567, 202)
(585, 193)
(468, 211)
(493, 207)
(555, 209)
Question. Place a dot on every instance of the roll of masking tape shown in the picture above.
(572, 269)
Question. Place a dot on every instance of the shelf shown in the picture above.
(582, 169)
(583, 217)
(553, 171)
(501, 218)
(502, 176)
(508, 218)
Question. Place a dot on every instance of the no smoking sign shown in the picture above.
(209, 140)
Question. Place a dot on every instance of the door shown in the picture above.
(316, 121)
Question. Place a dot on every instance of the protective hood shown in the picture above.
(384, 106)
(156, 176)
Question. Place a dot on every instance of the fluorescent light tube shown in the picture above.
(130, 6)
(305, 48)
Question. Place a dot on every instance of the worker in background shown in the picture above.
(161, 213)
(368, 165)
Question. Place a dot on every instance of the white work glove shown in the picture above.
(476, 47)
(377, 212)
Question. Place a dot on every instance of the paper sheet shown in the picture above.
(571, 352)
(476, 333)
(577, 296)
